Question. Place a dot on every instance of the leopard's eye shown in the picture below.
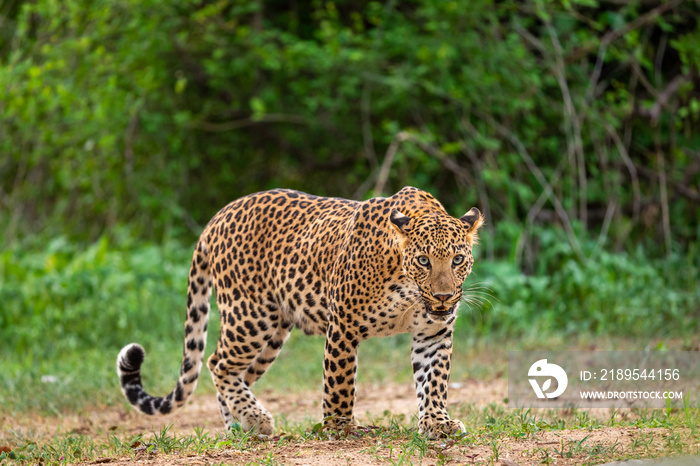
(424, 261)
(458, 260)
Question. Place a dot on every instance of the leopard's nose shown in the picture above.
(443, 296)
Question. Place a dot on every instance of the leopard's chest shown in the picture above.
(398, 311)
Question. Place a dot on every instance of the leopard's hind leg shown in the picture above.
(246, 349)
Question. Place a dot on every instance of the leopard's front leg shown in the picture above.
(339, 370)
(431, 354)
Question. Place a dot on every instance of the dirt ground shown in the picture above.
(373, 402)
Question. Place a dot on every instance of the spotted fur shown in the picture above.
(344, 269)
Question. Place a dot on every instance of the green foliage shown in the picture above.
(66, 297)
(621, 295)
(157, 113)
(73, 94)
(68, 310)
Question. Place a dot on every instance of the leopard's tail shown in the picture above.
(131, 356)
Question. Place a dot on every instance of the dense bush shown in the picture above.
(580, 114)
(621, 295)
(67, 310)
(67, 298)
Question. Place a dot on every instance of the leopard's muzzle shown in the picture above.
(439, 309)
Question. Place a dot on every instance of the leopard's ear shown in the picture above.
(473, 221)
(401, 222)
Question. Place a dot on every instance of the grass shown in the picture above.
(494, 430)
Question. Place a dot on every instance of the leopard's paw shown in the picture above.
(340, 423)
(434, 428)
(259, 423)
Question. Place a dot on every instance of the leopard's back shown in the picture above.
(275, 250)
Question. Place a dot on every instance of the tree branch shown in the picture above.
(664, 203)
(610, 36)
(388, 161)
(662, 99)
(622, 150)
(575, 143)
(681, 187)
(245, 122)
(549, 192)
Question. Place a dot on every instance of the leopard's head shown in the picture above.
(436, 254)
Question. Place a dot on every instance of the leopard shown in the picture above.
(345, 269)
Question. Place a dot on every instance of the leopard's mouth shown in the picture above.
(440, 310)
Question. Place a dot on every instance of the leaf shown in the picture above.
(257, 105)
